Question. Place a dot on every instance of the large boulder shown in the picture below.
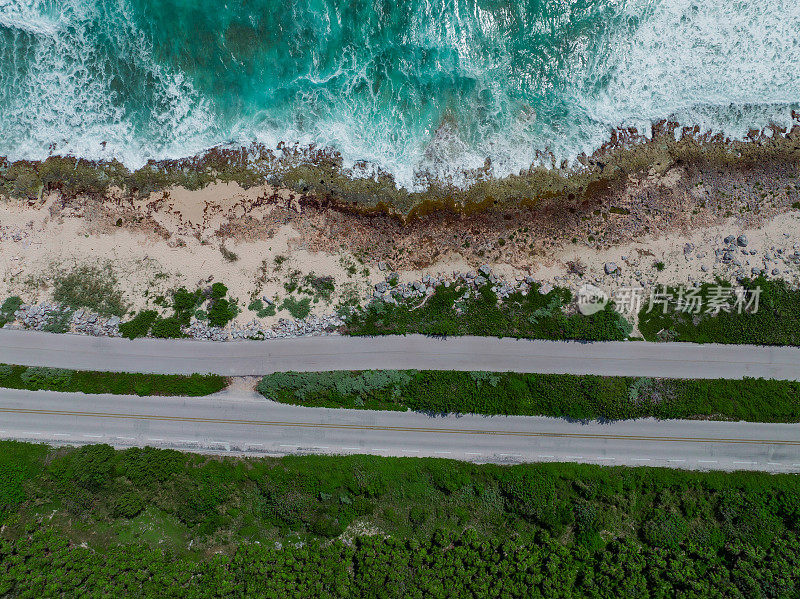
(610, 268)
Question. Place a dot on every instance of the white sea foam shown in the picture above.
(60, 98)
(727, 66)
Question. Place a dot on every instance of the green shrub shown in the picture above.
(261, 311)
(218, 291)
(139, 325)
(185, 303)
(12, 491)
(167, 328)
(777, 321)
(297, 308)
(42, 377)
(90, 467)
(450, 312)
(128, 505)
(417, 515)
(10, 305)
(221, 312)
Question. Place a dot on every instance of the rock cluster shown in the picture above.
(313, 325)
(35, 316)
(91, 324)
(751, 262)
(38, 317)
(388, 292)
(43, 316)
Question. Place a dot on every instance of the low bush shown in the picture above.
(51, 379)
(777, 321)
(139, 325)
(167, 328)
(221, 312)
(37, 378)
(558, 395)
(218, 291)
(7, 309)
(185, 303)
(449, 311)
(90, 287)
(297, 308)
(260, 309)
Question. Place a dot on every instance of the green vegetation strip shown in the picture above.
(97, 522)
(449, 312)
(558, 395)
(35, 378)
(777, 321)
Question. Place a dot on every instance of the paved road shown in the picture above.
(678, 360)
(241, 424)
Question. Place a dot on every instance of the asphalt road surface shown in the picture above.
(236, 423)
(241, 358)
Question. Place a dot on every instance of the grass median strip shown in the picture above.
(36, 378)
(558, 395)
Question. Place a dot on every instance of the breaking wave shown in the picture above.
(420, 87)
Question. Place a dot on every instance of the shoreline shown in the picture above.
(317, 177)
(264, 240)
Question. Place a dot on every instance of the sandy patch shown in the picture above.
(255, 242)
(149, 262)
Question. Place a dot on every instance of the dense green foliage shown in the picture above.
(7, 309)
(156, 523)
(220, 309)
(560, 395)
(139, 325)
(777, 321)
(447, 312)
(43, 564)
(184, 305)
(119, 383)
(167, 328)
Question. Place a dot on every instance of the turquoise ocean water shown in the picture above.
(410, 86)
